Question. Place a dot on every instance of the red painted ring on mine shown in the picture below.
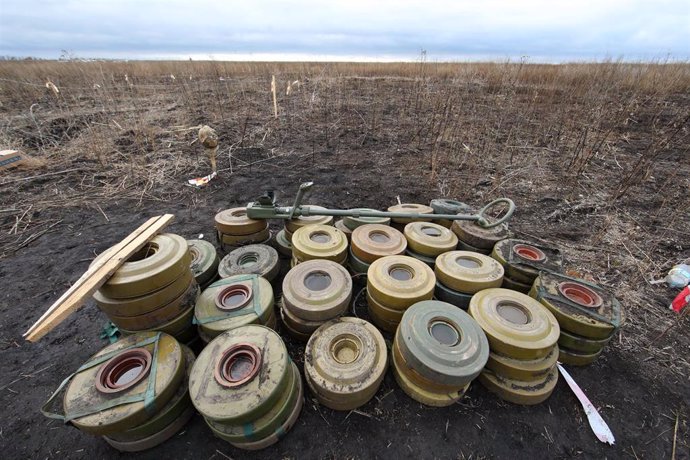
(123, 371)
(580, 294)
(238, 365)
(233, 297)
(529, 252)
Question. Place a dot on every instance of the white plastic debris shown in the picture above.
(201, 181)
(678, 276)
(599, 426)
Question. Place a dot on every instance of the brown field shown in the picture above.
(594, 155)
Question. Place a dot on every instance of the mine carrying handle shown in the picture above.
(484, 222)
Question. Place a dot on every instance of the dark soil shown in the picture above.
(640, 384)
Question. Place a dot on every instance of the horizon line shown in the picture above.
(67, 56)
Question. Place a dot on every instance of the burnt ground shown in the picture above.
(640, 384)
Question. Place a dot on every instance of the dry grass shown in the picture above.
(596, 154)
(136, 117)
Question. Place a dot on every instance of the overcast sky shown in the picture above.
(543, 30)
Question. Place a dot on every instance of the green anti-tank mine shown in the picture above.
(146, 367)
(429, 239)
(442, 343)
(161, 316)
(205, 260)
(257, 259)
(345, 362)
(514, 323)
(581, 308)
(160, 262)
(240, 375)
(467, 272)
(165, 423)
(317, 290)
(523, 260)
(233, 302)
(246, 387)
(137, 306)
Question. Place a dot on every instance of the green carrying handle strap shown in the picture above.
(543, 293)
(253, 307)
(147, 396)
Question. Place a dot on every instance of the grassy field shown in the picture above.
(595, 156)
(455, 116)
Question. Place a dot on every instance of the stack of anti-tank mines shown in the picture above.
(394, 283)
(461, 274)
(523, 260)
(134, 392)
(234, 229)
(522, 337)
(437, 351)
(588, 314)
(204, 264)
(345, 362)
(370, 242)
(233, 302)
(154, 290)
(314, 292)
(348, 224)
(244, 383)
(246, 387)
(426, 241)
(318, 241)
(399, 222)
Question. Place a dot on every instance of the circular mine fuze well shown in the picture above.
(529, 252)
(580, 294)
(317, 281)
(468, 262)
(444, 332)
(345, 349)
(320, 237)
(233, 297)
(401, 273)
(123, 371)
(431, 231)
(248, 259)
(238, 365)
(513, 312)
(147, 251)
(379, 237)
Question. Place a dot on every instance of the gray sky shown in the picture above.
(544, 30)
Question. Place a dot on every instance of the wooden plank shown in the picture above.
(90, 272)
(95, 277)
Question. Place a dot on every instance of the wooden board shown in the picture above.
(95, 277)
